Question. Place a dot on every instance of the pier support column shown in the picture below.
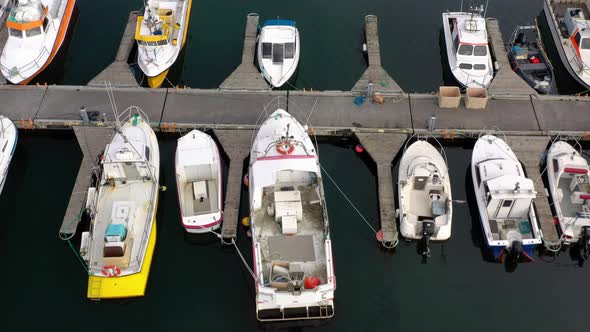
(530, 151)
(92, 141)
(375, 73)
(119, 72)
(246, 76)
(506, 81)
(236, 145)
(383, 148)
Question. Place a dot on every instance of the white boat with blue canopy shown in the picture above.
(505, 200)
(278, 51)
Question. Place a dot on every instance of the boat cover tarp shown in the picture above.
(279, 22)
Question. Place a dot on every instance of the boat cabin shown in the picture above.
(27, 21)
(508, 196)
(125, 161)
(470, 42)
(578, 27)
(158, 28)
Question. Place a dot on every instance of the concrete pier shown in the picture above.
(236, 144)
(119, 72)
(375, 73)
(92, 141)
(506, 81)
(530, 151)
(246, 76)
(383, 148)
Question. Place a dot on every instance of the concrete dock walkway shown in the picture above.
(506, 81)
(383, 148)
(236, 145)
(246, 76)
(119, 72)
(375, 73)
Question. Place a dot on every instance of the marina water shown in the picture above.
(196, 283)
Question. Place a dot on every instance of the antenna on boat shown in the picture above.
(461, 10)
(486, 10)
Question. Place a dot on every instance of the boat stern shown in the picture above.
(127, 286)
(277, 306)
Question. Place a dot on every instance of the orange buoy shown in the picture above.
(555, 221)
(311, 282)
(246, 180)
(359, 148)
(246, 221)
(379, 235)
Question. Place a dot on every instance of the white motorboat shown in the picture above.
(278, 51)
(161, 34)
(291, 242)
(569, 22)
(119, 246)
(468, 53)
(198, 181)
(505, 200)
(8, 140)
(36, 31)
(567, 173)
(424, 190)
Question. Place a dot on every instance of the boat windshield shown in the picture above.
(278, 51)
(15, 33)
(480, 51)
(465, 49)
(585, 44)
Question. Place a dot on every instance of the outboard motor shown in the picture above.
(427, 232)
(584, 242)
(514, 251)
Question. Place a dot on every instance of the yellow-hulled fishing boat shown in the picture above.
(161, 34)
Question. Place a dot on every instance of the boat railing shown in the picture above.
(31, 65)
(583, 69)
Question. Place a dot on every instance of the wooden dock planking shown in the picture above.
(506, 81)
(375, 73)
(246, 76)
(530, 150)
(92, 141)
(236, 145)
(119, 72)
(383, 148)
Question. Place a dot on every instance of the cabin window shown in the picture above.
(15, 33)
(147, 153)
(577, 38)
(480, 51)
(45, 22)
(289, 50)
(477, 177)
(4, 147)
(266, 50)
(456, 43)
(479, 67)
(34, 32)
(585, 44)
(466, 66)
(277, 53)
(555, 165)
(465, 49)
(507, 203)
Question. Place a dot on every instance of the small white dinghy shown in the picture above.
(199, 182)
(505, 200)
(424, 191)
(567, 172)
(8, 139)
(278, 51)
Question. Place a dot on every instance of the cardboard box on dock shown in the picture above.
(476, 98)
(449, 97)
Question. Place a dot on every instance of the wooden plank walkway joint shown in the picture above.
(530, 150)
(236, 145)
(375, 73)
(92, 141)
(119, 72)
(246, 76)
(383, 147)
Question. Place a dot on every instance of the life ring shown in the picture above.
(285, 147)
(111, 271)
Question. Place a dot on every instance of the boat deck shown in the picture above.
(560, 8)
(192, 206)
(568, 208)
(297, 248)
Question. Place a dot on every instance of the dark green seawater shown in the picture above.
(331, 39)
(197, 284)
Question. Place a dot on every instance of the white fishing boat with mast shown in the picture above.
(466, 41)
(292, 250)
(424, 190)
(8, 140)
(161, 34)
(567, 174)
(119, 245)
